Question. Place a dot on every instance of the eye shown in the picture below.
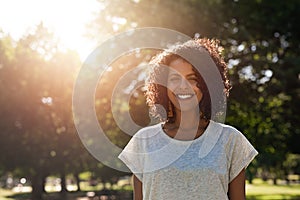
(174, 79)
(193, 80)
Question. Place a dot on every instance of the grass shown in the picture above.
(5, 193)
(259, 190)
(97, 190)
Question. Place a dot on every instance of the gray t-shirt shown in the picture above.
(173, 169)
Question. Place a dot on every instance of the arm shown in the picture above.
(237, 187)
(137, 189)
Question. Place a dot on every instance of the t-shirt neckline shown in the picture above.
(186, 142)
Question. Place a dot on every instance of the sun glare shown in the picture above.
(67, 19)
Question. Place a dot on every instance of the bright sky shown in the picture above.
(66, 18)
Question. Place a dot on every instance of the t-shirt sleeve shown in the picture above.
(132, 156)
(242, 153)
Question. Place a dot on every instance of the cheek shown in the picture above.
(171, 86)
(198, 93)
(172, 98)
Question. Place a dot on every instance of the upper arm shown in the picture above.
(137, 189)
(237, 187)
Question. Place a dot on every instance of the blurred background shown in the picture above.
(44, 43)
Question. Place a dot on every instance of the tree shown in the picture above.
(261, 46)
(36, 107)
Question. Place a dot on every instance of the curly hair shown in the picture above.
(156, 92)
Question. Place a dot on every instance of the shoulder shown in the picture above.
(143, 137)
(228, 129)
(148, 131)
(234, 137)
(230, 133)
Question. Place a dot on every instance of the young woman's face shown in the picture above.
(182, 86)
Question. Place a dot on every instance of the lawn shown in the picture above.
(259, 190)
(4, 194)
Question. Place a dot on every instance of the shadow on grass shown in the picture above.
(22, 196)
(273, 197)
(84, 195)
(125, 195)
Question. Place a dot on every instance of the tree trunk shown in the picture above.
(77, 181)
(287, 181)
(63, 191)
(44, 183)
(37, 187)
(63, 182)
(275, 181)
(250, 180)
(250, 177)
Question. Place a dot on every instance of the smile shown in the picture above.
(184, 96)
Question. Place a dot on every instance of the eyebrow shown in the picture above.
(177, 74)
(193, 74)
(186, 78)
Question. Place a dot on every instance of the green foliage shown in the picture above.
(261, 40)
(36, 113)
(262, 48)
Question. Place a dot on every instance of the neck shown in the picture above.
(189, 128)
(184, 129)
(191, 120)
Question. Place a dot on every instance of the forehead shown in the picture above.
(182, 67)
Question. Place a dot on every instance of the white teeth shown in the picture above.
(184, 96)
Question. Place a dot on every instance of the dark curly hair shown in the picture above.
(156, 92)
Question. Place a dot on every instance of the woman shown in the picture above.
(187, 155)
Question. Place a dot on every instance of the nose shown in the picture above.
(184, 84)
